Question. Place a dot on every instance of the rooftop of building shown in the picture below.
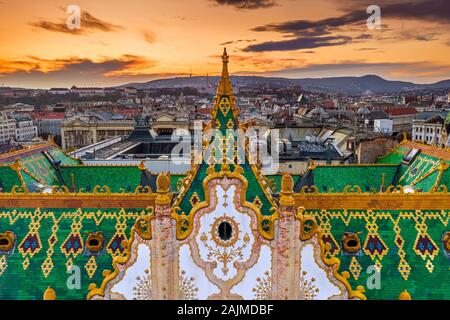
(398, 208)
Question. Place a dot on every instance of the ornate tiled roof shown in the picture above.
(406, 245)
(336, 178)
(39, 162)
(8, 178)
(224, 150)
(115, 178)
(391, 216)
(52, 241)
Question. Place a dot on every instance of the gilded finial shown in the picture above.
(405, 138)
(141, 166)
(51, 139)
(287, 184)
(225, 55)
(287, 189)
(162, 185)
(225, 88)
(225, 166)
(443, 165)
(312, 164)
(16, 166)
(404, 295)
(49, 294)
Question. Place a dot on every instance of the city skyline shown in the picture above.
(138, 41)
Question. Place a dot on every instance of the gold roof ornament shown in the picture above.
(7, 240)
(16, 166)
(49, 294)
(287, 189)
(225, 88)
(162, 188)
(162, 183)
(142, 165)
(51, 139)
(405, 138)
(312, 164)
(287, 184)
(404, 295)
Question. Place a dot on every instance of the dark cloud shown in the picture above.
(88, 23)
(247, 4)
(429, 10)
(312, 34)
(417, 35)
(299, 43)
(236, 41)
(313, 28)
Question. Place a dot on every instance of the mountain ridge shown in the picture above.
(348, 85)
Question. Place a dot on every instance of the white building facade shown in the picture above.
(7, 129)
(428, 131)
(26, 130)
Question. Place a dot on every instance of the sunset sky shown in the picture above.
(141, 40)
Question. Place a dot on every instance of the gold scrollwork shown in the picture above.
(184, 222)
(307, 189)
(333, 261)
(19, 189)
(102, 190)
(395, 189)
(118, 260)
(308, 225)
(140, 189)
(143, 227)
(446, 242)
(350, 189)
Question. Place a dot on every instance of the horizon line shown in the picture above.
(218, 76)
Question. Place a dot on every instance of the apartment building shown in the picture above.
(7, 128)
(26, 129)
(428, 127)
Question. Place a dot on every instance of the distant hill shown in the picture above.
(347, 85)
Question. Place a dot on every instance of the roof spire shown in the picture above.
(225, 88)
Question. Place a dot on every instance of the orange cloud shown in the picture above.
(262, 63)
(108, 67)
(149, 36)
(88, 24)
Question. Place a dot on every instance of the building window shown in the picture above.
(225, 231)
